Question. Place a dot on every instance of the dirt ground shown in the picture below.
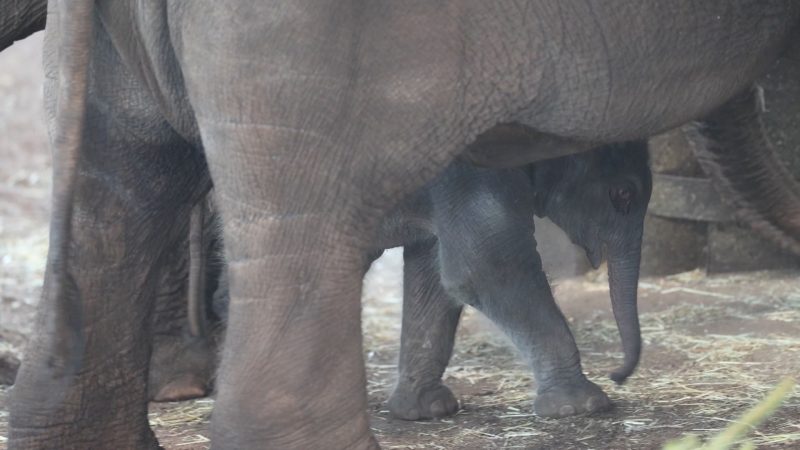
(713, 345)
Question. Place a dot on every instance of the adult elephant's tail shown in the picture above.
(20, 19)
(734, 150)
(75, 30)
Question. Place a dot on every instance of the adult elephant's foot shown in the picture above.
(409, 403)
(180, 369)
(182, 387)
(569, 399)
(71, 439)
(44, 419)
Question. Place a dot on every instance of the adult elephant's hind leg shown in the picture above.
(122, 197)
(122, 222)
(430, 319)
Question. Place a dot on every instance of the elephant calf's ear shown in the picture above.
(622, 197)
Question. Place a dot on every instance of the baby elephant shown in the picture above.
(468, 239)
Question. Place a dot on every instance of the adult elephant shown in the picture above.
(315, 119)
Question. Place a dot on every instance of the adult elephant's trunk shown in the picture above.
(734, 150)
(623, 279)
(20, 19)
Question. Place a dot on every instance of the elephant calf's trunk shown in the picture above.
(623, 278)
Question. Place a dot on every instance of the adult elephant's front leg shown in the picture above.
(305, 162)
(292, 371)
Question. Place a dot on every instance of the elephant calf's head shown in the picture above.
(599, 198)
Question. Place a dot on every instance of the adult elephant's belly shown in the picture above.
(630, 72)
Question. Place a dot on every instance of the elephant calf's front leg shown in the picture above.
(430, 319)
(521, 304)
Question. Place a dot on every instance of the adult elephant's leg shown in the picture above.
(183, 359)
(122, 225)
(489, 260)
(121, 203)
(295, 270)
(430, 319)
(305, 161)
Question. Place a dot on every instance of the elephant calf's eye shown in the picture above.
(621, 198)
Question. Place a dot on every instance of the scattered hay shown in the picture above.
(696, 375)
(183, 425)
(711, 379)
(193, 412)
(738, 429)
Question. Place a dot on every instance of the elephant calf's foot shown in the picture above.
(564, 400)
(407, 403)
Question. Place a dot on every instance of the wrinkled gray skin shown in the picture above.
(314, 119)
(182, 362)
(181, 365)
(477, 247)
(598, 198)
(19, 19)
